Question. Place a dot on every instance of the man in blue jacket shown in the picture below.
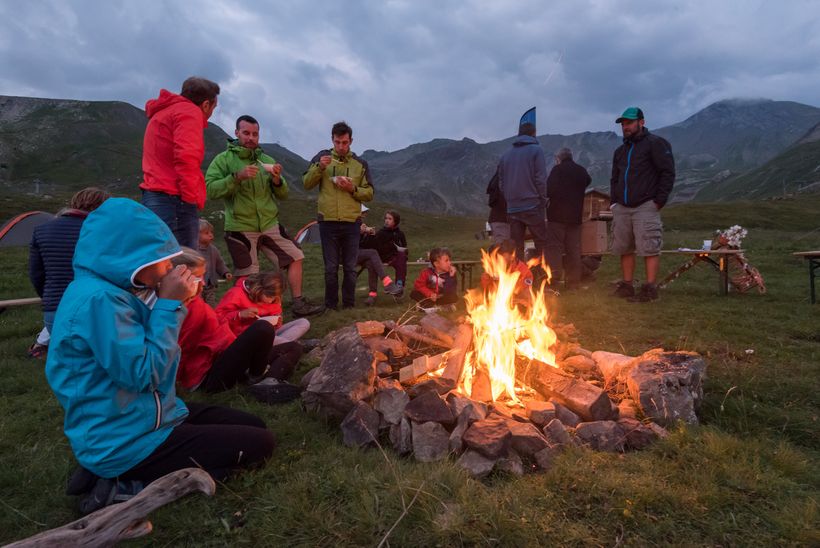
(643, 172)
(113, 362)
(522, 178)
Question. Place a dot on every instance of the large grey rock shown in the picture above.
(579, 363)
(438, 385)
(489, 437)
(462, 424)
(636, 434)
(627, 409)
(567, 417)
(430, 441)
(613, 366)
(512, 464)
(428, 407)
(345, 376)
(556, 434)
(526, 439)
(540, 412)
(401, 436)
(391, 402)
(457, 403)
(545, 458)
(361, 426)
(476, 464)
(668, 386)
(601, 435)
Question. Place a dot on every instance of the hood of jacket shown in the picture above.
(244, 152)
(524, 140)
(114, 250)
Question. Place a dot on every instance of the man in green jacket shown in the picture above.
(251, 182)
(344, 183)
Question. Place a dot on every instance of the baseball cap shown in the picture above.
(632, 113)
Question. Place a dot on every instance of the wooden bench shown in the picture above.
(813, 258)
(19, 302)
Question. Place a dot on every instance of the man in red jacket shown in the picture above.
(173, 186)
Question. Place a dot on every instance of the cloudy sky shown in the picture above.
(407, 71)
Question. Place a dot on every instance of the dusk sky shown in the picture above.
(401, 72)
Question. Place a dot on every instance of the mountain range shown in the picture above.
(731, 149)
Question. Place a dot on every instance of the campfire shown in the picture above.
(504, 387)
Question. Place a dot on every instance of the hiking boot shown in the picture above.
(37, 351)
(107, 492)
(82, 481)
(370, 300)
(393, 289)
(303, 307)
(624, 290)
(648, 292)
(271, 391)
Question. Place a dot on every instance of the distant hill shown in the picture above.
(796, 170)
(47, 144)
(716, 143)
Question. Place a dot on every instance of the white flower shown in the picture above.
(734, 235)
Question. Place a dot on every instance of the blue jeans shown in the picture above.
(181, 217)
(340, 246)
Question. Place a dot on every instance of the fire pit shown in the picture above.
(504, 387)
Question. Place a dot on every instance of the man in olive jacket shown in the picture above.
(251, 182)
(643, 172)
(344, 183)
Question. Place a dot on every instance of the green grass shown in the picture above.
(747, 476)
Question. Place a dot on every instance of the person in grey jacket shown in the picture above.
(522, 178)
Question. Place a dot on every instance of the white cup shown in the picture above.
(707, 244)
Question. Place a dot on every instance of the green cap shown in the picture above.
(632, 113)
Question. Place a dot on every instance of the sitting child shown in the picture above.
(437, 285)
(390, 243)
(113, 364)
(506, 249)
(215, 359)
(50, 254)
(214, 265)
(259, 296)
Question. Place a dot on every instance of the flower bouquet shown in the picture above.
(731, 237)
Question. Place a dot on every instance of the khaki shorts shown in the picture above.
(244, 248)
(637, 230)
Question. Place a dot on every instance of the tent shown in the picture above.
(18, 230)
(309, 234)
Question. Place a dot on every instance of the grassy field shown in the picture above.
(747, 476)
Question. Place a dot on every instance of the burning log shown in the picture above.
(585, 399)
(438, 326)
(455, 361)
(370, 327)
(409, 332)
(421, 365)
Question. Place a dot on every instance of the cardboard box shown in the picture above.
(594, 240)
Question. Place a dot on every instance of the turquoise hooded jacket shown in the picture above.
(112, 360)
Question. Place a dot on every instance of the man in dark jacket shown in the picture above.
(566, 185)
(643, 172)
(498, 211)
(522, 178)
(51, 253)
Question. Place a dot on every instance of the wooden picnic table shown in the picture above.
(813, 258)
(464, 268)
(720, 262)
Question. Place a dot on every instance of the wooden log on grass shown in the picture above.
(112, 524)
(587, 400)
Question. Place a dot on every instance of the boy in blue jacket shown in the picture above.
(113, 361)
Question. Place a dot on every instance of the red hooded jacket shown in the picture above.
(201, 339)
(174, 148)
(236, 300)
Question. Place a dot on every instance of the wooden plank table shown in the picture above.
(813, 258)
(19, 302)
(720, 263)
(464, 269)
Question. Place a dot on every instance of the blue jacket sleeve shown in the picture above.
(138, 357)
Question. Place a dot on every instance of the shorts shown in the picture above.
(244, 248)
(637, 230)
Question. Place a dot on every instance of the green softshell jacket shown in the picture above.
(336, 204)
(250, 205)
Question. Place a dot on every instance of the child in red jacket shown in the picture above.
(506, 249)
(436, 285)
(259, 296)
(214, 358)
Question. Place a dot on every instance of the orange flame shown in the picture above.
(502, 329)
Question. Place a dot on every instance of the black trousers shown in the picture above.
(564, 249)
(216, 439)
